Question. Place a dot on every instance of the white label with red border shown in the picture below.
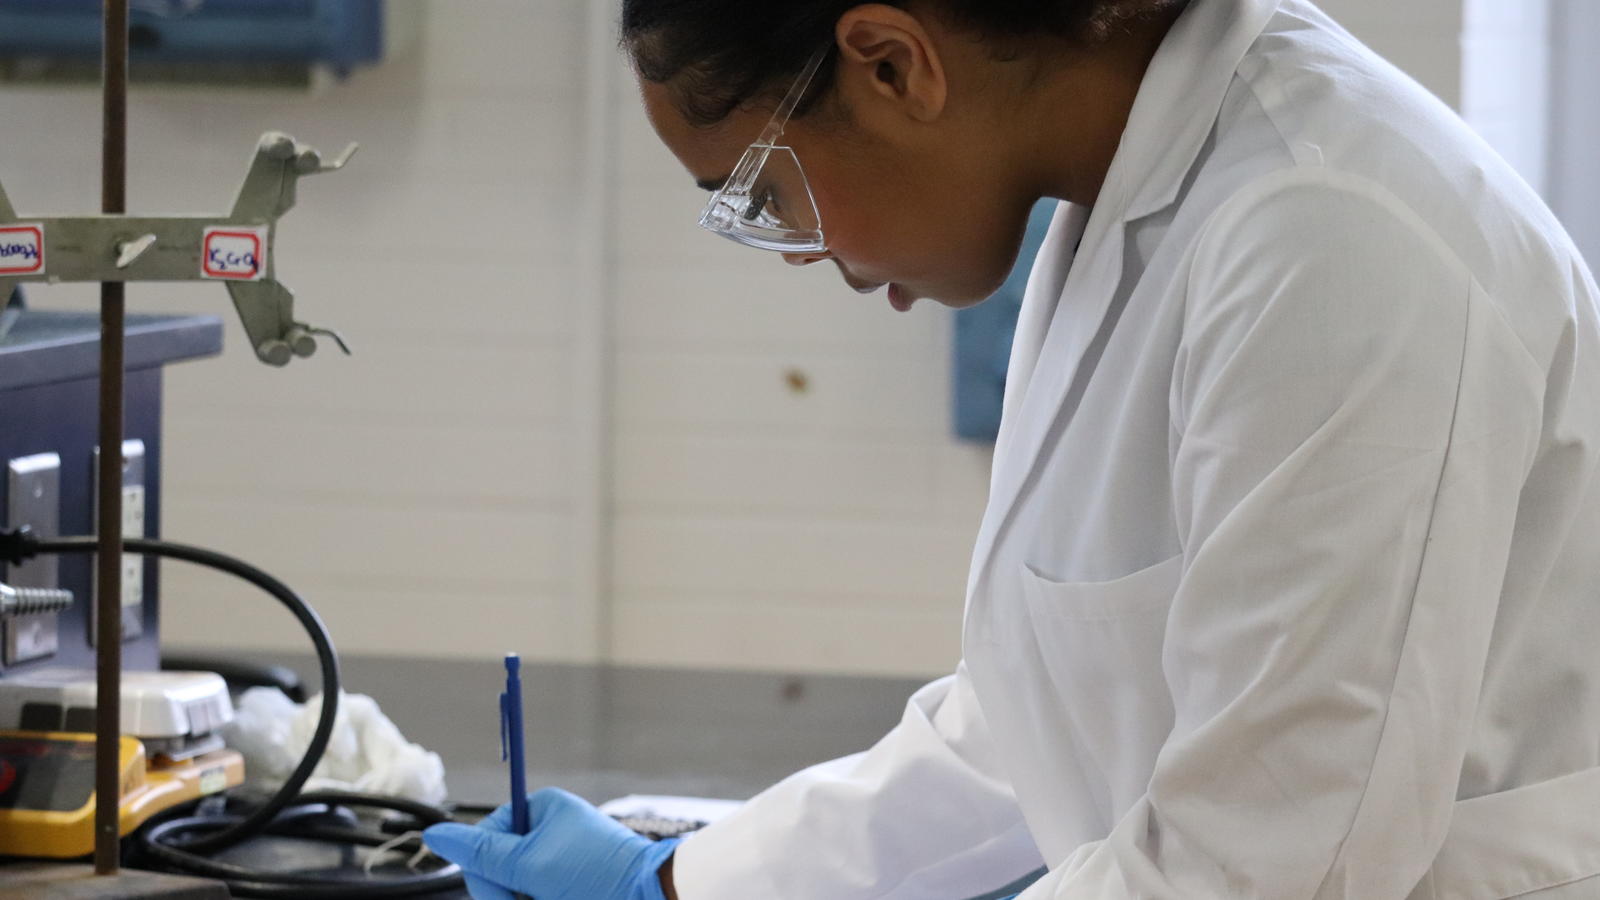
(234, 253)
(22, 249)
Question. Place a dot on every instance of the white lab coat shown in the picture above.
(1289, 583)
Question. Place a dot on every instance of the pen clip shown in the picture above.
(505, 726)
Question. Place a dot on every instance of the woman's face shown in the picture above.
(918, 206)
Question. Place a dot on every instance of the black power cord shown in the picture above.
(182, 841)
(162, 840)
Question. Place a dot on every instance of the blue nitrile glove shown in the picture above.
(573, 852)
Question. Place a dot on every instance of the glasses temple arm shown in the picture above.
(786, 109)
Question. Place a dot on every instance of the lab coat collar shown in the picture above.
(1180, 98)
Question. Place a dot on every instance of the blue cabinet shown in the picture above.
(983, 341)
(49, 403)
(339, 34)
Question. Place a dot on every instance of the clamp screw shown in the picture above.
(25, 601)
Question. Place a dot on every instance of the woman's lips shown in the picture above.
(900, 298)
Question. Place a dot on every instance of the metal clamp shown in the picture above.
(187, 248)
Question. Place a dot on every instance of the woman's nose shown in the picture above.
(804, 259)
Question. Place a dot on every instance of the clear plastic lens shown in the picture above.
(767, 204)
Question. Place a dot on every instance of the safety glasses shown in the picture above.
(766, 202)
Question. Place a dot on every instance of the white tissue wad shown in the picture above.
(367, 752)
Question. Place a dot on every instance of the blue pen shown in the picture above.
(511, 742)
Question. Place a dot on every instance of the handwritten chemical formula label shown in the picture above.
(22, 249)
(232, 253)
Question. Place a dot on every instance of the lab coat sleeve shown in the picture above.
(924, 815)
(1353, 424)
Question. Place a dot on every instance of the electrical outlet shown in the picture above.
(34, 499)
(133, 499)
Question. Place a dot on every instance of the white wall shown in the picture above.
(1575, 136)
(1506, 63)
(442, 492)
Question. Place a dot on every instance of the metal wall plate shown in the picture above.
(34, 499)
(133, 500)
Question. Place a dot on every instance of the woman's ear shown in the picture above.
(887, 58)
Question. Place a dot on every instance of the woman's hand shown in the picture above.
(572, 852)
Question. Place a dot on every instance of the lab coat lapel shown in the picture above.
(1031, 408)
(1175, 110)
(1039, 301)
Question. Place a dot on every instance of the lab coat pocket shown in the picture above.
(1146, 591)
(1100, 643)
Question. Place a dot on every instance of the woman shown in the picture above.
(1287, 584)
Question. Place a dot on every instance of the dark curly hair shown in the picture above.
(720, 55)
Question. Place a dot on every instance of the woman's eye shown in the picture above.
(758, 205)
(763, 202)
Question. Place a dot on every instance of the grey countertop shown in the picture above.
(603, 732)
